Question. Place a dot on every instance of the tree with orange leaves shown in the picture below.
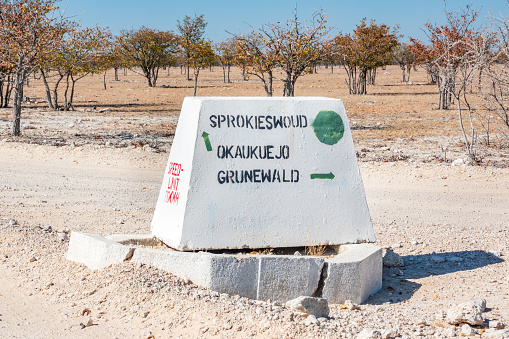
(201, 56)
(82, 51)
(370, 46)
(29, 29)
(257, 59)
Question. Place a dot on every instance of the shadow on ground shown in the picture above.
(396, 286)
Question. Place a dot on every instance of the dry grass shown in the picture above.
(316, 250)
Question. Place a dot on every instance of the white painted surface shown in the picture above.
(295, 210)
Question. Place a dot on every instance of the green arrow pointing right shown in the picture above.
(329, 176)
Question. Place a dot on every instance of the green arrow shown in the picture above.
(205, 136)
(322, 176)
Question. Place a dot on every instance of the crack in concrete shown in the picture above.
(321, 282)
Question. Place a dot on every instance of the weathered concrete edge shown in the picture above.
(354, 273)
(96, 252)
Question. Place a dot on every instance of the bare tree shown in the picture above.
(495, 62)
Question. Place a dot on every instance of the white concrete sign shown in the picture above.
(261, 172)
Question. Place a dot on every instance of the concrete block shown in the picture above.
(261, 172)
(186, 265)
(354, 274)
(96, 252)
(234, 275)
(222, 273)
(282, 278)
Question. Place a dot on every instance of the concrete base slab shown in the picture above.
(96, 252)
(354, 273)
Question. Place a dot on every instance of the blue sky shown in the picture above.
(239, 16)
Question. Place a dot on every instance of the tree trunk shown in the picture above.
(116, 73)
(66, 103)
(71, 96)
(224, 73)
(361, 82)
(267, 84)
(48, 91)
(228, 71)
(404, 72)
(18, 101)
(55, 91)
(5, 91)
(104, 80)
(196, 73)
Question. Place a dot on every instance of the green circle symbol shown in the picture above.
(328, 127)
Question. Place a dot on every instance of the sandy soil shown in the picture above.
(100, 172)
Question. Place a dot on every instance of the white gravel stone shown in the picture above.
(318, 307)
(369, 334)
(350, 305)
(496, 324)
(467, 330)
(392, 259)
(458, 162)
(469, 312)
(389, 333)
(496, 334)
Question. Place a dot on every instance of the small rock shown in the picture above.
(311, 320)
(392, 259)
(415, 242)
(469, 312)
(450, 332)
(389, 333)
(135, 308)
(496, 334)
(350, 305)
(458, 162)
(322, 320)
(297, 253)
(146, 333)
(496, 324)
(62, 236)
(318, 307)
(496, 253)
(13, 222)
(369, 334)
(466, 330)
(437, 259)
(32, 259)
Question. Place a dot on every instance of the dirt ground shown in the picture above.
(98, 169)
